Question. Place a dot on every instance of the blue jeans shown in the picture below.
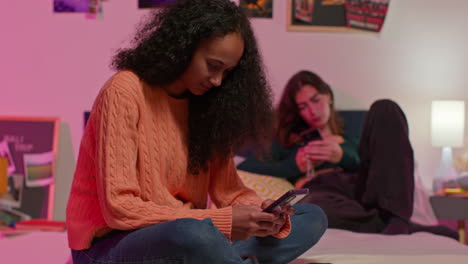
(199, 241)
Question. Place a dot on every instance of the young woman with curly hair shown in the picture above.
(160, 138)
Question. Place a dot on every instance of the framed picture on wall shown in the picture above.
(336, 15)
(30, 145)
(258, 8)
(317, 15)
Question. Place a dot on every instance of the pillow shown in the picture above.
(267, 187)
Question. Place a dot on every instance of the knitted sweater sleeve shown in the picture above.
(118, 188)
(227, 189)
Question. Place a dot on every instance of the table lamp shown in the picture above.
(447, 131)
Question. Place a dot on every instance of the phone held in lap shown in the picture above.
(311, 135)
(291, 197)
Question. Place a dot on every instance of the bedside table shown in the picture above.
(452, 208)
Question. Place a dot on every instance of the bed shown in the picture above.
(346, 247)
(35, 247)
(336, 246)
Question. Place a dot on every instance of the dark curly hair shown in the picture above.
(227, 117)
(290, 122)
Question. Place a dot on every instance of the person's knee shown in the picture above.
(383, 102)
(179, 239)
(197, 235)
(315, 221)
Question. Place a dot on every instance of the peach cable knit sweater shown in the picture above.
(132, 167)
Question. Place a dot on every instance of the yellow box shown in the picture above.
(3, 175)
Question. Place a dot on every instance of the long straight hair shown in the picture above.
(289, 121)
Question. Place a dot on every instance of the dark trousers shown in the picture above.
(379, 197)
(382, 188)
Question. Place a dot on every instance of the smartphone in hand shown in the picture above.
(311, 135)
(291, 197)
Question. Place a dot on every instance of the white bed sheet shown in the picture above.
(336, 246)
(36, 247)
(345, 247)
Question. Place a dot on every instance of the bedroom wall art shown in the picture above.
(337, 15)
(258, 8)
(30, 146)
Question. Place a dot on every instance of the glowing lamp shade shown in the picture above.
(448, 123)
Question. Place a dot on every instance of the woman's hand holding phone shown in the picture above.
(248, 221)
(281, 213)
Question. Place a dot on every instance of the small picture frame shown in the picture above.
(337, 15)
(258, 9)
(39, 168)
(318, 15)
